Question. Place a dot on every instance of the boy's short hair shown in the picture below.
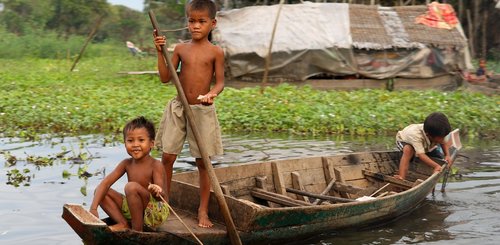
(202, 5)
(140, 122)
(437, 124)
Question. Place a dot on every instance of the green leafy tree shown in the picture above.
(123, 24)
(73, 17)
(23, 16)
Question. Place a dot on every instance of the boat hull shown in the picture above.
(259, 220)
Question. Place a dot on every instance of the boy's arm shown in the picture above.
(219, 73)
(446, 152)
(158, 178)
(104, 186)
(219, 78)
(427, 160)
(163, 70)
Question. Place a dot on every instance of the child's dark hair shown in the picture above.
(437, 124)
(202, 5)
(140, 122)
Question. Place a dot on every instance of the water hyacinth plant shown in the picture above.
(42, 96)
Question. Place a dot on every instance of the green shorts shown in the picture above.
(155, 213)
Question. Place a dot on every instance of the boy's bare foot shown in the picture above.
(203, 220)
(437, 169)
(397, 176)
(119, 227)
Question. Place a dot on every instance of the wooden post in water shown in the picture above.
(89, 37)
(268, 57)
(231, 228)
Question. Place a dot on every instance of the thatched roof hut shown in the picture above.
(340, 40)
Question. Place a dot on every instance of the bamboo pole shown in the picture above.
(89, 37)
(268, 57)
(231, 228)
(471, 34)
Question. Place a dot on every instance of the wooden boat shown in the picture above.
(275, 201)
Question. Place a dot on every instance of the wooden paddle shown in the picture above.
(231, 228)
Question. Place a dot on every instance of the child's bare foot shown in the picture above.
(437, 169)
(119, 227)
(397, 176)
(203, 220)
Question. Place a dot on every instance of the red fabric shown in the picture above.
(439, 15)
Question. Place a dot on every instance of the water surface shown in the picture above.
(31, 214)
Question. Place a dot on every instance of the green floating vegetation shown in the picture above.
(43, 96)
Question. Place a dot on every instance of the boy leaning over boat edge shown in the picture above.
(424, 141)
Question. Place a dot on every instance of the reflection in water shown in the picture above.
(467, 213)
(424, 224)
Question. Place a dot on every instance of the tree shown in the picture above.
(123, 24)
(73, 17)
(21, 16)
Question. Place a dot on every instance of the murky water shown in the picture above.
(31, 214)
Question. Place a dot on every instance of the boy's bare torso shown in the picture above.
(197, 68)
(141, 172)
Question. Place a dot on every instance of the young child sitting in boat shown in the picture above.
(481, 74)
(142, 203)
(423, 141)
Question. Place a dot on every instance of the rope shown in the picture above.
(190, 231)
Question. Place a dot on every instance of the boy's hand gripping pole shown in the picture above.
(231, 228)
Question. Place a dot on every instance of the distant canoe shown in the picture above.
(487, 88)
(279, 200)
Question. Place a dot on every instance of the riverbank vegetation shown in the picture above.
(41, 96)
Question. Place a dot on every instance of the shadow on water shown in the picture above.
(465, 214)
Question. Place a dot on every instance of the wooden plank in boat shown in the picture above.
(352, 172)
(309, 179)
(297, 184)
(261, 183)
(173, 225)
(329, 198)
(279, 184)
(290, 165)
(339, 176)
(389, 179)
(278, 198)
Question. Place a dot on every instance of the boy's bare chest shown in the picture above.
(197, 58)
(139, 174)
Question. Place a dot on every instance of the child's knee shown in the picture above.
(132, 187)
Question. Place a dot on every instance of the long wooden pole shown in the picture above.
(269, 51)
(89, 37)
(231, 228)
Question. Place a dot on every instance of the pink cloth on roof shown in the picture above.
(439, 15)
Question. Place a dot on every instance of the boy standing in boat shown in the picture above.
(420, 139)
(200, 61)
(142, 204)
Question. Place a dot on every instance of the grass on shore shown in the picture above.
(40, 96)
